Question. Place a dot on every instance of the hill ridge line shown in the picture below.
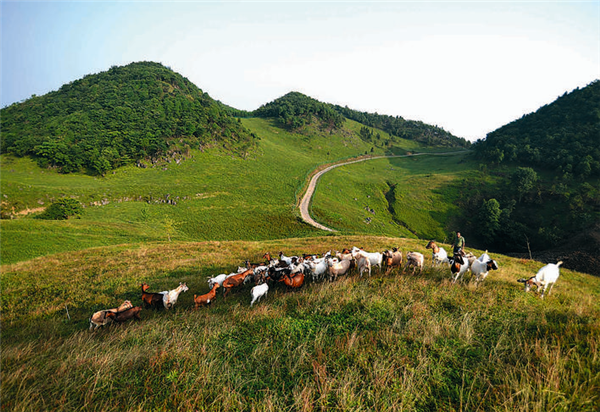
(307, 197)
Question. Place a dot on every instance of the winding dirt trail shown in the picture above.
(305, 202)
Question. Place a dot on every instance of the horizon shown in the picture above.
(468, 68)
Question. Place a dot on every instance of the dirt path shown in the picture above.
(305, 202)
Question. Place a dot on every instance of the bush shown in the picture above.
(62, 209)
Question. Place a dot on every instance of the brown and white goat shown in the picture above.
(99, 318)
(206, 299)
(338, 268)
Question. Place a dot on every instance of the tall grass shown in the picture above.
(390, 342)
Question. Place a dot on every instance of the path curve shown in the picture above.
(305, 202)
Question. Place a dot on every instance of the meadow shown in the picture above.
(391, 342)
(210, 195)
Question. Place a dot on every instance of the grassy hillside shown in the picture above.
(392, 342)
(103, 121)
(407, 197)
(209, 196)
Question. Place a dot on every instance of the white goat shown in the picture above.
(258, 292)
(363, 263)
(414, 259)
(375, 259)
(480, 267)
(548, 275)
(438, 255)
(170, 297)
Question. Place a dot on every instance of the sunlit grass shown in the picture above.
(389, 342)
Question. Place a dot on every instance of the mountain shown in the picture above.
(128, 113)
(295, 110)
(562, 136)
(540, 193)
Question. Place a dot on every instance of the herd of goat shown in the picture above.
(294, 270)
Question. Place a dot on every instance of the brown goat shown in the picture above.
(132, 313)
(392, 258)
(206, 299)
(151, 300)
(235, 280)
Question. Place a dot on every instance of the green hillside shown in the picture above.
(394, 341)
(115, 118)
(547, 168)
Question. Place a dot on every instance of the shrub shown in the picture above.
(62, 209)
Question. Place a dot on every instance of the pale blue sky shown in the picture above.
(469, 67)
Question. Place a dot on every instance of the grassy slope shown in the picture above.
(392, 342)
(422, 200)
(218, 197)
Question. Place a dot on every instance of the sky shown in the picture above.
(469, 67)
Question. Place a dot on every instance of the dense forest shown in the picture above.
(406, 129)
(103, 121)
(295, 110)
(547, 171)
(562, 136)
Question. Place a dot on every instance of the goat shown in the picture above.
(363, 264)
(99, 318)
(131, 313)
(375, 258)
(481, 267)
(207, 298)
(318, 268)
(235, 280)
(392, 258)
(287, 260)
(459, 264)
(438, 255)
(170, 298)
(152, 300)
(337, 268)
(414, 259)
(547, 275)
(258, 292)
(219, 279)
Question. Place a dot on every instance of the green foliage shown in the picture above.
(489, 219)
(107, 120)
(62, 209)
(524, 180)
(561, 136)
(405, 129)
(295, 110)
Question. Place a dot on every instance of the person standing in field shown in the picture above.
(459, 244)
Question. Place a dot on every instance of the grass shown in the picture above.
(406, 197)
(216, 196)
(391, 342)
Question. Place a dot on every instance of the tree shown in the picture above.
(489, 219)
(524, 180)
(62, 209)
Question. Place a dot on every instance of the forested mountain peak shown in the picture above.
(561, 136)
(294, 110)
(105, 120)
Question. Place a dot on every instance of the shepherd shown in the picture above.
(459, 244)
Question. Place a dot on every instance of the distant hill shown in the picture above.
(562, 136)
(406, 129)
(295, 110)
(128, 113)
